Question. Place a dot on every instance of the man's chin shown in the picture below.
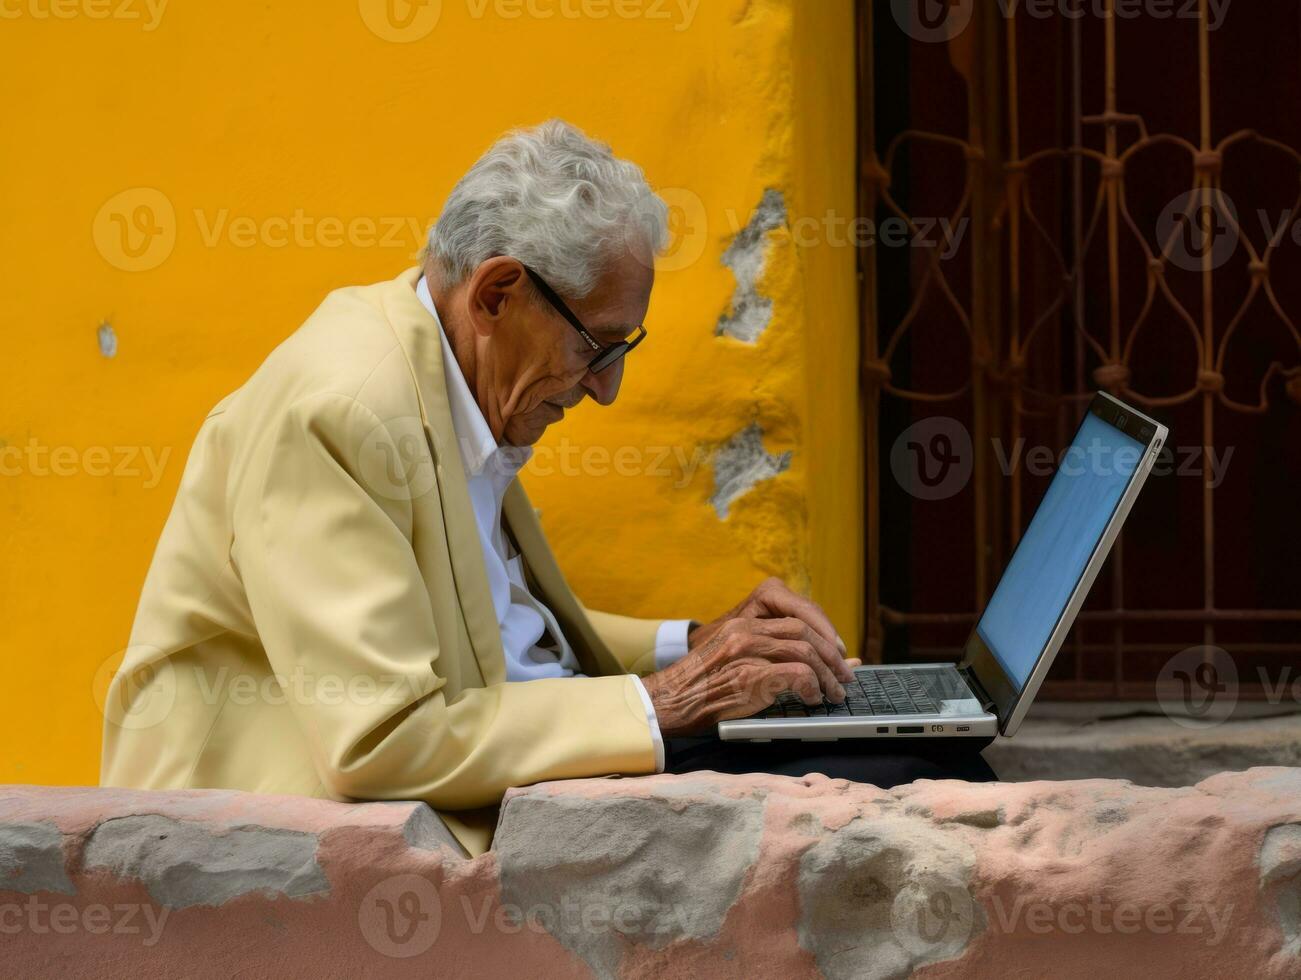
(523, 432)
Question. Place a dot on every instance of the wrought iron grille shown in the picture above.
(1100, 255)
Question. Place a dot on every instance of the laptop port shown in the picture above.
(883, 729)
(909, 730)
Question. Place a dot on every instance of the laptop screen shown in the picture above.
(1052, 554)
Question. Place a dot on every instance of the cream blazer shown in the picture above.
(317, 619)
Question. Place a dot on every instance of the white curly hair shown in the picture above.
(553, 198)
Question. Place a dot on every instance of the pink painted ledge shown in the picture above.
(664, 876)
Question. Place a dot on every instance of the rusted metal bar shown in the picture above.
(870, 375)
(1014, 177)
(982, 302)
(918, 653)
(1208, 180)
(894, 617)
(1112, 175)
(1130, 691)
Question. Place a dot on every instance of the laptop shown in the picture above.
(1017, 637)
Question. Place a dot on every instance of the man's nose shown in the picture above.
(604, 387)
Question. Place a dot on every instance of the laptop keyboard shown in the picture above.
(871, 692)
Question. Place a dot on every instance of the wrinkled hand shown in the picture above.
(741, 666)
(773, 599)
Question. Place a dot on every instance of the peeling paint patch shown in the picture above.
(740, 463)
(184, 864)
(107, 339)
(747, 256)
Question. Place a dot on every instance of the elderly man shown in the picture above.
(352, 597)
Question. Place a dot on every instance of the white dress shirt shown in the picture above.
(531, 638)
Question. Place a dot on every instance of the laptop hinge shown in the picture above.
(973, 682)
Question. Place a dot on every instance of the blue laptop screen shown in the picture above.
(1056, 547)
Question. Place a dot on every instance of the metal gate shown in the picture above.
(1084, 266)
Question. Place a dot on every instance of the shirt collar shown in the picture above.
(473, 436)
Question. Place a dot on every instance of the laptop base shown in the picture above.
(885, 702)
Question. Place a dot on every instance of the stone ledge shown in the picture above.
(703, 874)
(1143, 743)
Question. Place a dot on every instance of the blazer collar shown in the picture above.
(474, 438)
(549, 585)
(419, 335)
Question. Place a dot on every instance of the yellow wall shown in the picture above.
(275, 151)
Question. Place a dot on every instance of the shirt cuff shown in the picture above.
(656, 738)
(671, 642)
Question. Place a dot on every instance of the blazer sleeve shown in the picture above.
(324, 546)
(631, 640)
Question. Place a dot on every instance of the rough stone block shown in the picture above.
(665, 876)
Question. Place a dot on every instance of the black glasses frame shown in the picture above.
(605, 356)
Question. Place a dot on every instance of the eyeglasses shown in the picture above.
(605, 356)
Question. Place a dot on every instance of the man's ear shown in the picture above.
(497, 289)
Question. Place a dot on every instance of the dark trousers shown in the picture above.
(882, 763)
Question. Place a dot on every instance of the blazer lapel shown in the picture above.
(417, 332)
(550, 587)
